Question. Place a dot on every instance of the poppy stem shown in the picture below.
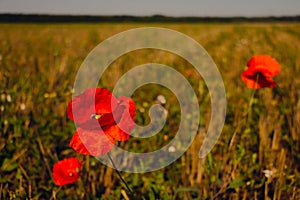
(251, 99)
(119, 174)
(54, 193)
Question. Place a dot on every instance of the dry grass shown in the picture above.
(38, 67)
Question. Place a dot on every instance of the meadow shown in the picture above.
(257, 158)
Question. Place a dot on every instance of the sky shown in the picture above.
(248, 8)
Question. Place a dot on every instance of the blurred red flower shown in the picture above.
(66, 171)
(101, 118)
(260, 70)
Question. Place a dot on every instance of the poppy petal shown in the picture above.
(129, 103)
(92, 101)
(262, 82)
(91, 142)
(265, 63)
(125, 123)
(116, 133)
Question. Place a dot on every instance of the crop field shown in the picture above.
(256, 157)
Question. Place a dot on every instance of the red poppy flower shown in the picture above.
(101, 118)
(260, 70)
(66, 171)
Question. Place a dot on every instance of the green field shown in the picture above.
(39, 63)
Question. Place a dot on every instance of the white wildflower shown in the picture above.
(22, 106)
(269, 173)
(161, 99)
(171, 149)
(8, 98)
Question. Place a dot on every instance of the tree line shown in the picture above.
(38, 18)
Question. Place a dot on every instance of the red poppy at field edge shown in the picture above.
(98, 109)
(66, 171)
(260, 70)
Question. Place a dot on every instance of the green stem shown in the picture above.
(119, 174)
(251, 99)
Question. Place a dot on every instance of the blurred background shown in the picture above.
(43, 43)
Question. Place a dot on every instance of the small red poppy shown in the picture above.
(66, 171)
(101, 118)
(260, 70)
